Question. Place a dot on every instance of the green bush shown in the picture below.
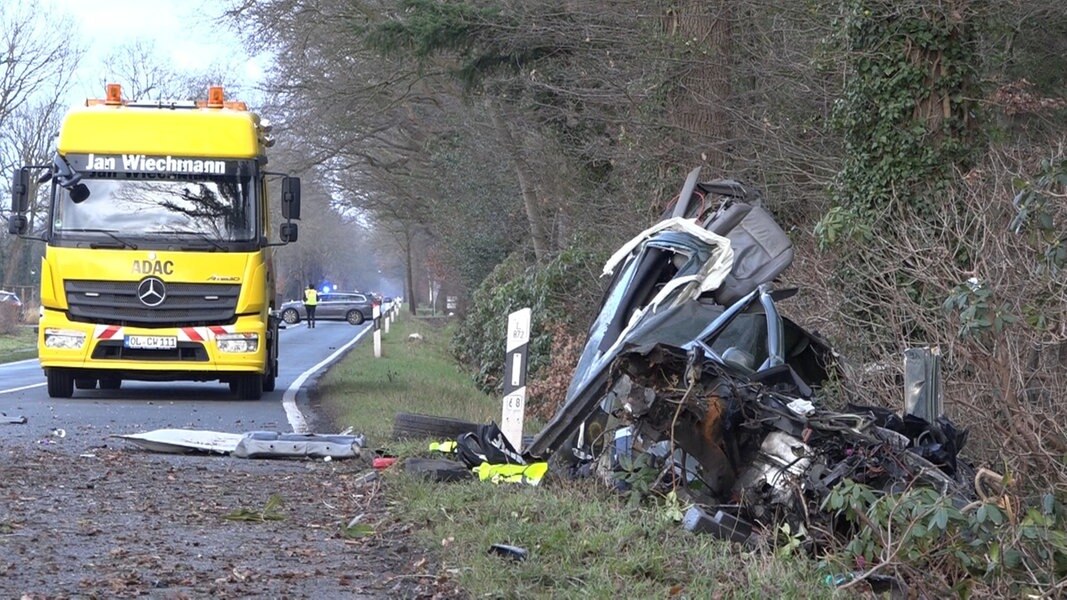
(1012, 547)
(556, 292)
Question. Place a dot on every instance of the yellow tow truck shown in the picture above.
(158, 265)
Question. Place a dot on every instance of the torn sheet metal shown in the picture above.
(256, 444)
(182, 441)
(267, 444)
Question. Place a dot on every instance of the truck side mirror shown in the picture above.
(288, 232)
(20, 191)
(17, 224)
(291, 199)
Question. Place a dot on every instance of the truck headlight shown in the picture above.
(65, 339)
(237, 342)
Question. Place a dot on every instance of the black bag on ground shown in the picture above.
(487, 444)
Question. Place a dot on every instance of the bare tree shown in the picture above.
(145, 74)
(35, 73)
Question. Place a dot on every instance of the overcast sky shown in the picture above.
(185, 34)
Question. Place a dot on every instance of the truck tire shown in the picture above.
(60, 384)
(354, 317)
(85, 383)
(290, 316)
(110, 383)
(250, 387)
(270, 379)
(410, 425)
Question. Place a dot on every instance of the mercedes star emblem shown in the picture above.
(151, 291)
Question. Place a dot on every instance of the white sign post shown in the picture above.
(515, 376)
(376, 312)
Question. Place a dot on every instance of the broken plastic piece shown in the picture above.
(722, 525)
(19, 420)
(383, 462)
(508, 551)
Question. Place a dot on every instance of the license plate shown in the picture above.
(151, 342)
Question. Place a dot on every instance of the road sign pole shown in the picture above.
(514, 410)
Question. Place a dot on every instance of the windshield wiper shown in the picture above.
(203, 236)
(108, 232)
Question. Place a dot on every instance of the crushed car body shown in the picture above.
(690, 369)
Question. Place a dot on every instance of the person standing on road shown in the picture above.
(311, 300)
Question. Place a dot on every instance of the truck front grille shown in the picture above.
(186, 304)
(114, 350)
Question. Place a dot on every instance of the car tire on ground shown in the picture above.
(290, 316)
(85, 383)
(60, 384)
(410, 425)
(354, 317)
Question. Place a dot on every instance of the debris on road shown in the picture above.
(19, 420)
(256, 444)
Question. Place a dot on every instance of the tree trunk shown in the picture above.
(409, 273)
(696, 105)
(523, 172)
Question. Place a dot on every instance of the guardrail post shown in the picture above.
(514, 410)
(377, 313)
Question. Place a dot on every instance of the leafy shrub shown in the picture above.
(1012, 547)
(9, 318)
(549, 290)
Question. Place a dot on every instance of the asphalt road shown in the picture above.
(95, 415)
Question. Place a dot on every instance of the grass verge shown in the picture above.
(584, 541)
(19, 345)
(411, 376)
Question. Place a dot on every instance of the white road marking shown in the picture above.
(25, 387)
(18, 362)
(292, 413)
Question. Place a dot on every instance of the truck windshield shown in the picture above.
(216, 208)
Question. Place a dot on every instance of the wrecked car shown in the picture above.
(692, 280)
(690, 365)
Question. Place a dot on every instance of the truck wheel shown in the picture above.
(290, 316)
(270, 379)
(60, 384)
(110, 383)
(354, 317)
(85, 383)
(410, 425)
(250, 387)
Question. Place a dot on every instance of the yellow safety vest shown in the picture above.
(311, 297)
(530, 474)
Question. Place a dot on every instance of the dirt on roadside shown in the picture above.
(120, 522)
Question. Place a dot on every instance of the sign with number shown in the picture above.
(515, 376)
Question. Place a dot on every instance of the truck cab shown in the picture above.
(158, 264)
